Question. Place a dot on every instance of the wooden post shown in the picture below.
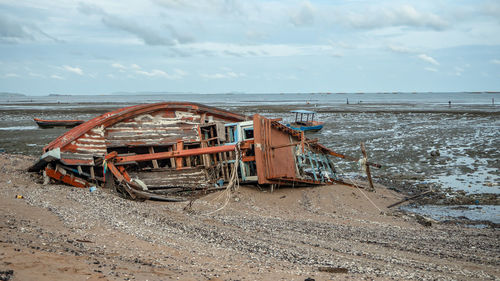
(367, 167)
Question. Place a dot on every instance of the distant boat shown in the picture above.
(303, 123)
(57, 123)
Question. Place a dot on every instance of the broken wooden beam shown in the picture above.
(409, 198)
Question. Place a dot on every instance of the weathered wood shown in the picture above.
(155, 162)
(179, 160)
(172, 160)
(409, 198)
(367, 167)
(172, 178)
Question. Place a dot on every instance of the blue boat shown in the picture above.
(306, 121)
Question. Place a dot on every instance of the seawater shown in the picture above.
(412, 100)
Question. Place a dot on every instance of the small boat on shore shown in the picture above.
(57, 123)
(303, 123)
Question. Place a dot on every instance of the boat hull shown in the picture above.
(57, 123)
(306, 128)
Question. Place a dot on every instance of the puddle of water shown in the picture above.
(19, 128)
(472, 212)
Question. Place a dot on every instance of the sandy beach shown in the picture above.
(57, 232)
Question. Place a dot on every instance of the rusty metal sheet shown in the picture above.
(272, 163)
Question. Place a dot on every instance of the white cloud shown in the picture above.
(491, 9)
(118, 65)
(15, 30)
(379, 17)
(428, 59)
(431, 69)
(178, 74)
(123, 68)
(400, 49)
(495, 61)
(33, 74)
(341, 44)
(459, 71)
(304, 16)
(226, 75)
(261, 50)
(54, 76)
(148, 34)
(231, 8)
(75, 70)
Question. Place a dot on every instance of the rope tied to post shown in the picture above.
(362, 164)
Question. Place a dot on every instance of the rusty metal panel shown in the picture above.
(272, 163)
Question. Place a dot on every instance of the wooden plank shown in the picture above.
(179, 160)
(68, 179)
(172, 160)
(155, 162)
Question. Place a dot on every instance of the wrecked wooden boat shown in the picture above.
(42, 123)
(171, 150)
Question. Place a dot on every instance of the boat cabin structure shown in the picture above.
(169, 150)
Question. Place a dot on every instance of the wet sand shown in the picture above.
(57, 232)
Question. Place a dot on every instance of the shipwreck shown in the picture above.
(172, 150)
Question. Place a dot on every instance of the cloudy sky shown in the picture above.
(261, 46)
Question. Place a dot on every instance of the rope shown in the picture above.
(358, 188)
(234, 182)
